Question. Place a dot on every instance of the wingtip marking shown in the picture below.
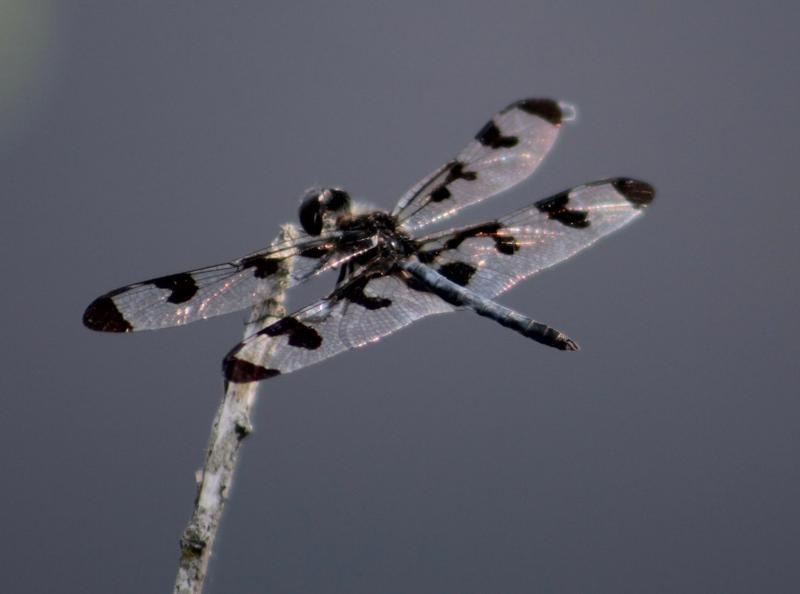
(103, 315)
(547, 109)
(637, 192)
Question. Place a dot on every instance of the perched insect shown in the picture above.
(388, 276)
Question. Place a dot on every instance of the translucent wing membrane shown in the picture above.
(358, 313)
(504, 152)
(492, 257)
(387, 277)
(487, 259)
(178, 299)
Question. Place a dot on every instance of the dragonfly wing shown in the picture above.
(504, 152)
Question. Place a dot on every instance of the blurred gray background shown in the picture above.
(145, 138)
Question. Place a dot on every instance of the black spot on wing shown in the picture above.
(547, 109)
(354, 292)
(102, 315)
(240, 371)
(503, 243)
(316, 252)
(182, 286)
(506, 244)
(441, 193)
(458, 272)
(455, 170)
(636, 192)
(484, 229)
(298, 334)
(557, 208)
(263, 265)
(491, 136)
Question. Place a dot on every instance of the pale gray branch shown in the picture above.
(231, 425)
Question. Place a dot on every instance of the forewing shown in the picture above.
(492, 257)
(178, 299)
(503, 153)
(357, 313)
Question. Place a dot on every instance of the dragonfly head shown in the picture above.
(321, 207)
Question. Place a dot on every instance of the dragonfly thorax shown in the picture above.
(375, 235)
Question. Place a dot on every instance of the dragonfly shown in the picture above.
(388, 274)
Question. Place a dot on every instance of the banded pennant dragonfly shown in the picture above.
(388, 276)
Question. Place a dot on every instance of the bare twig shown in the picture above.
(231, 425)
